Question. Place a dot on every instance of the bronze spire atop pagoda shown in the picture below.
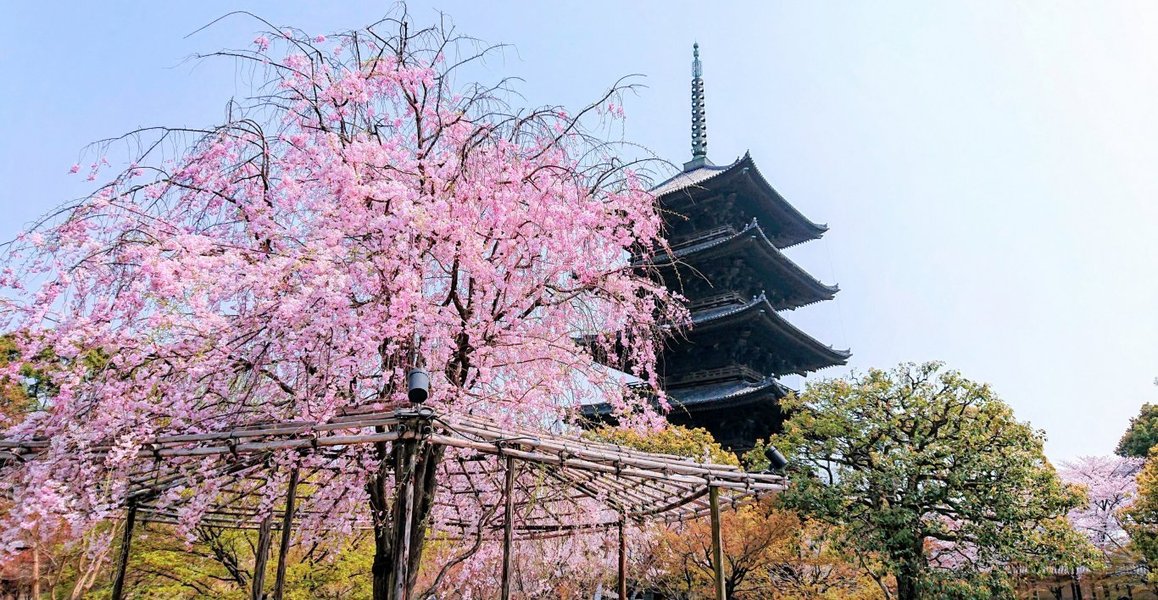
(699, 114)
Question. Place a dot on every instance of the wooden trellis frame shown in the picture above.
(542, 477)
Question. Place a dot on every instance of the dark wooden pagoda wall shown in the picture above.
(730, 275)
(744, 346)
(712, 277)
(706, 216)
(737, 427)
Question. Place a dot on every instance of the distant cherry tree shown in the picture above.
(1111, 487)
(361, 214)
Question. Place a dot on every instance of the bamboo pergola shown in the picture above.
(547, 484)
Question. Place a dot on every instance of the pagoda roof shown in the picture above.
(751, 242)
(725, 394)
(809, 353)
(710, 396)
(701, 182)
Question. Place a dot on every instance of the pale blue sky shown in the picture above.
(988, 169)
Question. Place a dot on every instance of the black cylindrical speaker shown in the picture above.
(418, 384)
(776, 459)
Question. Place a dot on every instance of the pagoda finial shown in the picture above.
(699, 114)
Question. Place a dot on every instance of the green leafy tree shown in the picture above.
(15, 397)
(1141, 518)
(692, 442)
(1141, 435)
(932, 479)
(219, 564)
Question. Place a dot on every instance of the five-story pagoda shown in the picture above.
(727, 228)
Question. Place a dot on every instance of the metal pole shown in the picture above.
(406, 497)
(622, 557)
(717, 543)
(261, 557)
(126, 541)
(508, 527)
(287, 522)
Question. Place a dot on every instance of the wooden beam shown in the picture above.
(508, 527)
(126, 542)
(717, 543)
(261, 557)
(669, 472)
(36, 569)
(287, 521)
(405, 495)
(622, 557)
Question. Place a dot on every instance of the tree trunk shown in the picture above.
(287, 521)
(126, 542)
(84, 583)
(261, 556)
(908, 578)
(403, 519)
(387, 507)
(909, 574)
(380, 509)
(906, 587)
(426, 480)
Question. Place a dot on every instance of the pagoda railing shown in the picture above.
(716, 301)
(728, 373)
(699, 237)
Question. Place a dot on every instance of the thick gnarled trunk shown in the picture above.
(401, 514)
(909, 575)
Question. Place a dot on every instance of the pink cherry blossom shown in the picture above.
(1110, 483)
(294, 263)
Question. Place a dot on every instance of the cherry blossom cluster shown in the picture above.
(360, 216)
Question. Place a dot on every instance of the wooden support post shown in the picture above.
(126, 541)
(36, 569)
(622, 556)
(405, 495)
(717, 543)
(287, 521)
(261, 557)
(508, 526)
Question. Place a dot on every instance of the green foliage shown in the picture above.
(1141, 435)
(15, 399)
(966, 584)
(691, 442)
(932, 474)
(341, 575)
(1141, 519)
(219, 565)
(756, 459)
(33, 387)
